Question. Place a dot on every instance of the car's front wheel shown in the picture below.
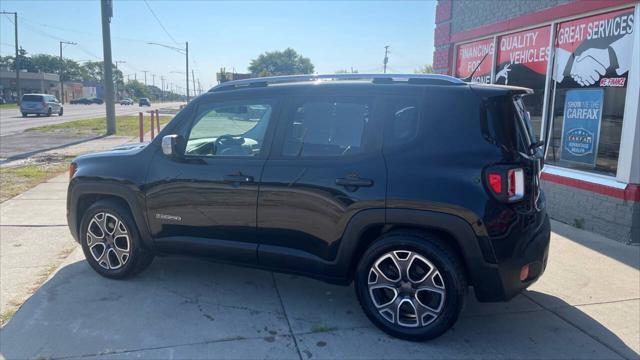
(61, 112)
(49, 112)
(411, 285)
(110, 241)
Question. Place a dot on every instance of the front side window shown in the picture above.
(234, 128)
(327, 127)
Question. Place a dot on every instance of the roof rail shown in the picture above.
(435, 79)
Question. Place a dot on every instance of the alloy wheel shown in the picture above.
(406, 288)
(108, 241)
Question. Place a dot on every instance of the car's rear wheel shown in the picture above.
(24, 114)
(411, 285)
(111, 242)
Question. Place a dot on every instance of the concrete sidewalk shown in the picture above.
(587, 305)
(34, 238)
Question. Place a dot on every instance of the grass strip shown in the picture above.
(125, 126)
(16, 180)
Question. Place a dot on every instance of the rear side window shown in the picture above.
(403, 114)
(36, 98)
(327, 127)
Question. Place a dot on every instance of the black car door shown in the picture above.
(205, 202)
(326, 165)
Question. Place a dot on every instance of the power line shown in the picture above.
(160, 22)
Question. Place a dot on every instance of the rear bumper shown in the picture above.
(34, 110)
(528, 246)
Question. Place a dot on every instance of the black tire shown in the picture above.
(49, 112)
(452, 278)
(138, 258)
(24, 114)
(61, 112)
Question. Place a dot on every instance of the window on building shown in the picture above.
(477, 56)
(592, 61)
(522, 61)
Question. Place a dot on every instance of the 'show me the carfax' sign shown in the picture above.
(581, 126)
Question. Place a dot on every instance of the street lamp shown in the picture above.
(61, 69)
(181, 51)
(15, 62)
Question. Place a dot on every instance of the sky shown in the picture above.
(335, 35)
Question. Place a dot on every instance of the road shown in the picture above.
(12, 122)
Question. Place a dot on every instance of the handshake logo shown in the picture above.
(590, 65)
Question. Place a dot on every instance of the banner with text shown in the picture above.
(594, 51)
(470, 56)
(581, 126)
(522, 58)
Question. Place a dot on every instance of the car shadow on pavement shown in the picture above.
(191, 308)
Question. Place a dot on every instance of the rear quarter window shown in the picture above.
(402, 118)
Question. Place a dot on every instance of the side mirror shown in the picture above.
(171, 145)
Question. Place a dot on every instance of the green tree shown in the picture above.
(425, 69)
(94, 70)
(51, 64)
(287, 62)
(136, 88)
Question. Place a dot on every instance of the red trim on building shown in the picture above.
(570, 9)
(630, 193)
(442, 34)
(442, 57)
(443, 11)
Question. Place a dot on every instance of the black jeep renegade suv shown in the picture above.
(414, 187)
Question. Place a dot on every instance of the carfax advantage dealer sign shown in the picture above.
(581, 126)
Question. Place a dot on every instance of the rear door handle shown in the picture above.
(354, 182)
(238, 178)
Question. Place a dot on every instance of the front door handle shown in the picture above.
(238, 178)
(354, 182)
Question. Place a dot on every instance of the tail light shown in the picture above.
(72, 170)
(516, 184)
(506, 184)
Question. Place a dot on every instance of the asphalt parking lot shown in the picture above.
(587, 305)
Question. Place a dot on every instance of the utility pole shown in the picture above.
(153, 79)
(106, 10)
(193, 78)
(62, 69)
(386, 57)
(145, 76)
(15, 61)
(184, 51)
(199, 88)
(186, 43)
(162, 83)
